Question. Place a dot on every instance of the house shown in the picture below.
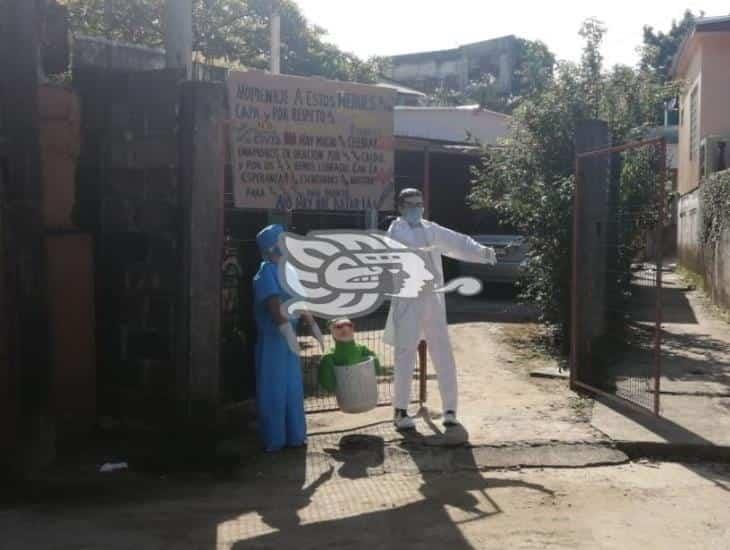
(702, 65)
(405, 96)
(454, 69)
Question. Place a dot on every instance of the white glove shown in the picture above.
(291, 339)
(317, 333)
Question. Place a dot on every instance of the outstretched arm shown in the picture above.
(462, 247)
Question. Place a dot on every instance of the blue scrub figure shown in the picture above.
(279, 387)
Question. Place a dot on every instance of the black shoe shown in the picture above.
(402, 421)
(450, 419)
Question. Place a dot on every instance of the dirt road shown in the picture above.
(362, 485)
(634, 506)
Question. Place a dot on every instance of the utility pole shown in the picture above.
(275, 39)
(179, 35)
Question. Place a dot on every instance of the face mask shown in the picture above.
(413, 214)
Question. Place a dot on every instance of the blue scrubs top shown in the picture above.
(279, 387)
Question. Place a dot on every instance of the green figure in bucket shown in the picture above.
(346, 353)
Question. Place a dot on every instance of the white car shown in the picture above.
(510, 263)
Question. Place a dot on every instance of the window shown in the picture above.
(694, 129)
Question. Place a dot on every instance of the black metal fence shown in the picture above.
(368, 332)
(238, 352)
(617, 279)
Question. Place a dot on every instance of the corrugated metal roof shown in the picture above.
(456, 108)
(398, 87)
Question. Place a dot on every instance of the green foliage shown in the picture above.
(234, 32)
(715, 196)
(659, 48)
(591, 77)
(529, 182)
(638, 212)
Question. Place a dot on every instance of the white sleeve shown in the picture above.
(462, 247)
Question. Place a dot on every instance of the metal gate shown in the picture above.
(241, 229)
(616, 325)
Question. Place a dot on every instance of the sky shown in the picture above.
(390, 27)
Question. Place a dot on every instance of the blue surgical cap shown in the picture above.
(268, 237)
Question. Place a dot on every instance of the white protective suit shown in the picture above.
(412, 319)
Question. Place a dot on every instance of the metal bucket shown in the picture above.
(357, 387)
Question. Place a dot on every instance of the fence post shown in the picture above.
(590, 218)
(659, 265)
(422, 372)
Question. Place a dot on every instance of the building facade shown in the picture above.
(702, 65)
(454, 69)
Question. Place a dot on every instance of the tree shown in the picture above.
(529, 182)
(592, 31)
(659, 48)
(234, 32)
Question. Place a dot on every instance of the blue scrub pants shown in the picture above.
(279, 393)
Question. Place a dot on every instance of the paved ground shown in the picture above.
(695, 386)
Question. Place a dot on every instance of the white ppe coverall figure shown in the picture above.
(412, 319)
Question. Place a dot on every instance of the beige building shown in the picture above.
(703, 66)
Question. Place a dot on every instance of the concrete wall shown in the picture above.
(455, 68)
(688, 231)
(428, 68)
(451, 124)
(715, 114)
(717, 270)
(99, 52)
(708, 69)
(711, 261)
(688, 168)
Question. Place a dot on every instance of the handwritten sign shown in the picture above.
(310, 144)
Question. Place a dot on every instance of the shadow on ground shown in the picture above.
(424, 523)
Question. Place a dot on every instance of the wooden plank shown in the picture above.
(71, 288)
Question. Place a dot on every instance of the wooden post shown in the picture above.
(276, 41)
(179, 35)
(662, 192)
(426, 181)
(202, 171)
(422, 372)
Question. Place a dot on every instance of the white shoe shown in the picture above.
(450, 419)
(402, 421)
